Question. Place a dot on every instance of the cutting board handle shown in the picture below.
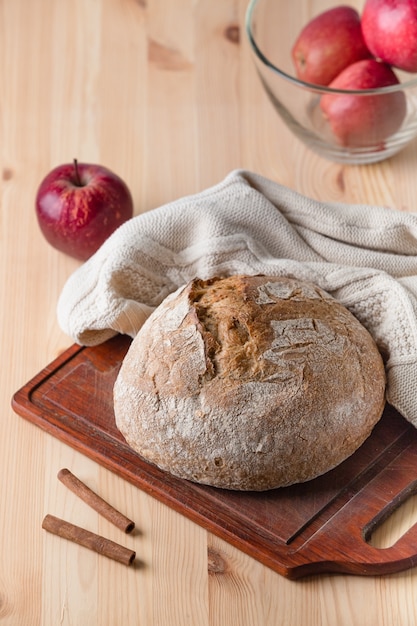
(403, 553)
(343, 543)
(400, 556)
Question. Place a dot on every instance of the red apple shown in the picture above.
(327, 44)
(390, 30)
(79, 205)
(364, 119)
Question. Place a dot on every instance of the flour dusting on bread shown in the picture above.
(249, 383)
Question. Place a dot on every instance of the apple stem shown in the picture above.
(78, 181)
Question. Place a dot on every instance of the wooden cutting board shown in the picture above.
(320, 526)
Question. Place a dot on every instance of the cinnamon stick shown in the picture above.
(95, 501)
(90, 540)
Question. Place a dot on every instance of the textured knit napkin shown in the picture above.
(364, 256)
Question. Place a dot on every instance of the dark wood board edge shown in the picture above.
(267, 550)
(219, 524)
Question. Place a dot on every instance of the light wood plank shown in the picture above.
(165, 93)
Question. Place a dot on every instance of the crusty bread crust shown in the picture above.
(249, 383)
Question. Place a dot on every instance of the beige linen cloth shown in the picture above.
(365, 256)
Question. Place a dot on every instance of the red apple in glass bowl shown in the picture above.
(361, 117)
(79, 205)
(390, 30)
(272, 28)
(327, 44)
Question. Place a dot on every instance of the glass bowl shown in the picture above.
(272, 27)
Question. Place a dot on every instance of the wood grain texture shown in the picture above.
(324, 525)
(164, 92)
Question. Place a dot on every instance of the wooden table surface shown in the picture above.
(163, 92)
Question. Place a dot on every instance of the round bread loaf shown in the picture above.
(249, 383)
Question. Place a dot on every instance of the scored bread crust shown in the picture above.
(249, 383)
